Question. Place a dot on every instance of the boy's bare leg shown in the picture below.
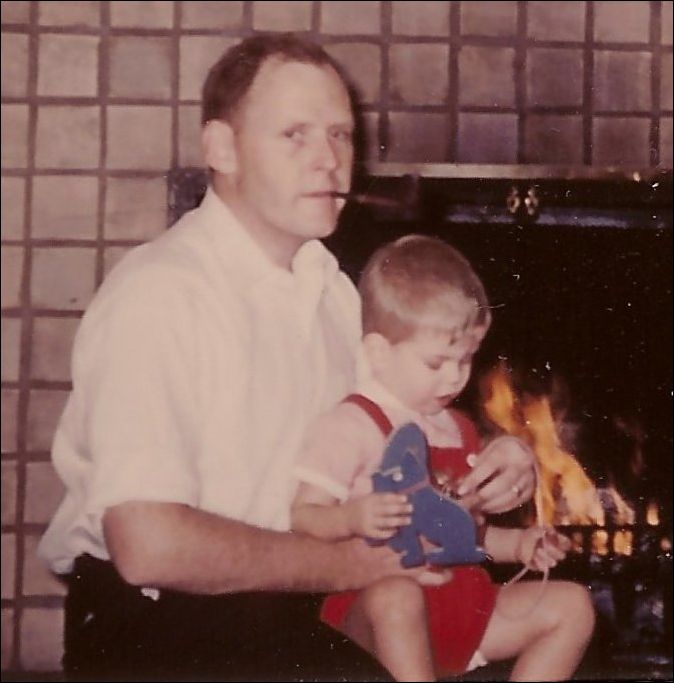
(548, 636)
(389, 620)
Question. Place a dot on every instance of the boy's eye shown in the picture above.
(434, 365)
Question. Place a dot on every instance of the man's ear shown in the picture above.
(377, 350)
(217, 144)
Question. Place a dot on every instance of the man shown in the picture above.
(195, 372)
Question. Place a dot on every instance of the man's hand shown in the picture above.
(502, 479)
(377, 515)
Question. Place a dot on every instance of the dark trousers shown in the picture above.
(114, 632)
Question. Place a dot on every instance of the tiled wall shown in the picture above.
(100, 99)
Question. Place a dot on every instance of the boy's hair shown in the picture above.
(420, 282)
(230, 78)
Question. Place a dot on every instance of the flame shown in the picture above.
(652, 514)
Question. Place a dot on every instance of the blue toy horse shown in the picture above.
(442, 521)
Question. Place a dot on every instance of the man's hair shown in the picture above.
(420, 282)
(230, 78)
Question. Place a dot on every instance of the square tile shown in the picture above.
(37, 579)
(666, 82)
(52, 348)
(552, 20)
(367, 136)
(41, 639)
(44, 492)
(10, 403)
(666, 22)
(489, 18)
(417, 137)
(44, 411)
(7, 618)
(14, 65)
(626, 23)
(622, 81)
(11, 348)
(407, 62)
(139, 137)
(15, 12)
(14, 153)
(420, 18)
(58, 127)
(281, 16)
(666, 142)
(63, 278)
(487, 76)
(339, 17)
(141, 14)
(12, 272)
(135, 208)
(140, 67)
(362, 64)
(65, 207)
(13, 207)
(68, 65)
(554, 77)
(189, 136)
(8, 502)
(487, 139)
(551, 139)
(621, 142)
(197, 55)
(212, 14)
(8, 574)
(69, 13)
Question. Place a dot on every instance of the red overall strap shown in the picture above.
(373, 410)
(469, 435)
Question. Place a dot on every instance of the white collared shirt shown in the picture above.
(196, 370)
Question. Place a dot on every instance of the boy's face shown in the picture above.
(294, 145)
(427, 371)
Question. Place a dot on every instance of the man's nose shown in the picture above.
(326, 153)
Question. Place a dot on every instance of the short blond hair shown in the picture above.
(421, 282)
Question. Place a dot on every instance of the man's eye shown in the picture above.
(343, 136)
(295, 134)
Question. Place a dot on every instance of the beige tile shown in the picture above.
(666, 142)
(666, 82)
(8, 566)
(212, 14)
(417, 137)
(141, 14)
(281, 16)
(189, 136)
(339, 17)
(15, 12)
(14, 152)
(65, 207)
(367, 137)
(622, 81)
(12, 270)
(73, 13)
(197, 56)
(489, 18)
(44, 492)
(112, 256)
(14, 65)
(626, 23)
(13, 209)
(620, 142)
(139, 137)
(41, 639)
(135, 208)
(7, 614)
(407, 62)
(420, 18)
(68, 65)
(487, 76)
(10, 401)
(140, 67)
(362, 64)
(44, 411)
(8, 502)
(550, 139)
(11, 349)
(52, 347)
(62, 278)
(554, 77)
(68, 137)
(487, 139)
(551, 20)
(37, 579)
(666, 23)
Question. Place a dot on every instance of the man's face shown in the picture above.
(294, 145)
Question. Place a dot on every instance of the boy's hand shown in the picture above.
(541, 548)
(377, 515)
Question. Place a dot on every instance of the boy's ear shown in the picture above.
(217, 144)
(377, 349)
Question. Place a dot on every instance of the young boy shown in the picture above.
(424, 315)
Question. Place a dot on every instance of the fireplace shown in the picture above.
(578, 267)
